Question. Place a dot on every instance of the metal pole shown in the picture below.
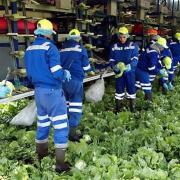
(172, 18)
(15, 30)
(173, 9)
(27, 42)
(158, 6)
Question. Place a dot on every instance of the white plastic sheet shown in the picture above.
(26, 116)
(96, 91)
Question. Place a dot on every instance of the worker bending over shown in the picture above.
(175, 50)
(149, 64)
(166, 57)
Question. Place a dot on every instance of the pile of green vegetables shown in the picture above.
(133, 146)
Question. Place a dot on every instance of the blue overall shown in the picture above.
(128, 54)
(175, 50)
(75, 59)
(148, 65)
(42, 61)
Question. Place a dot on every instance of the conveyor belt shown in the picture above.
(31, 93)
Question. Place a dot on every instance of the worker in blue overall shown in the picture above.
(163, 59)
(123, 61)
(42, 61)
(75, 59)
(166, 61)
(154, 38)
(148, 64)
(175, 50)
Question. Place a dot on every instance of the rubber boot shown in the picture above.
(41, 150)
(148, 96)
(61, 165)
(132, 105)
(118, 106)
(170, 86)
(73, 135)
(165, 88)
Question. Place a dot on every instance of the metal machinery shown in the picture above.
(96, 20)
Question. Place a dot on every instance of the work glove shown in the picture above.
(128, 68)
(67, 75)
(165, 86)
(4, 91)
(163, 73)
(170, 86)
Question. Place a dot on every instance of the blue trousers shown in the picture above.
(171, 74)
(127, 81)
(51, 110)
(143, 80)
(152, 77)
(74, 96)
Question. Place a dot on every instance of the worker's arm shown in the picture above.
(26, 58)
(112, 60)
(53, 57)
(134, 57)
(153, 62)
(85, 61)
(166, 52)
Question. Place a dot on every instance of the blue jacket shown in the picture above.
(166, 52)
(126, 53)
(149, 61)
(75, 59)
(42, 61)
(175, 50)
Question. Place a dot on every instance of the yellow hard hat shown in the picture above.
(123, 30)
(177, 36)
(162, 42)
(167, 62)
(44, 27)
(75, 32)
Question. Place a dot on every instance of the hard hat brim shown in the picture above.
(44, 32)
(168, 67)
(54, 32)
(165, 46)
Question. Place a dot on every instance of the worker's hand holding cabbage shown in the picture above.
(120, 68)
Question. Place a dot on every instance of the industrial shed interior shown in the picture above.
(108, 129)
(96, 20)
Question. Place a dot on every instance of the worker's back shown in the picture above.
(148, 59)
(38, 57)
(75, 59)
(174, 47)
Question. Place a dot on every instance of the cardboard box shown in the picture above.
(63, 4)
